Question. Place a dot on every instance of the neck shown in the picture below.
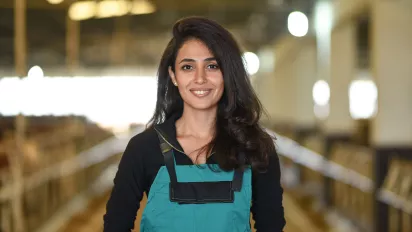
(197, 123)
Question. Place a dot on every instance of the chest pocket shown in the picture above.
(197, 198)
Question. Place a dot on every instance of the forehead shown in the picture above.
(194, 48)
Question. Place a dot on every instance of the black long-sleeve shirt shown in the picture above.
(139, 166)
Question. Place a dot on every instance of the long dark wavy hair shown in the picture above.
(239, 109)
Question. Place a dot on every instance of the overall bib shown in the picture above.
(196, 198)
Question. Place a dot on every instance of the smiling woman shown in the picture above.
(198, 76)
(204, 161)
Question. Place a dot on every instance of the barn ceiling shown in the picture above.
(255, 23)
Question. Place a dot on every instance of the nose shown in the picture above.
(200, 76)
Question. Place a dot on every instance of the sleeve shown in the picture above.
(127, 192)
(267, 198)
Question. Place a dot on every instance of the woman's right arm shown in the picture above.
(127, 192)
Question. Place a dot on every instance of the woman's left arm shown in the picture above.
(267, 198)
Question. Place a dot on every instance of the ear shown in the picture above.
(172, 75)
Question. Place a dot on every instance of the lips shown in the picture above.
(201, 92)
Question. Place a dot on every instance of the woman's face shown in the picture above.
(197, 76)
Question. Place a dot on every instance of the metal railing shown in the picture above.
(85, 170)
(301, 155)
(105, 150)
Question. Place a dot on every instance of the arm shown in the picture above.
(267, 194)
(129, 185)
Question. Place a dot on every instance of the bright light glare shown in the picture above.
(251, 62)
(298, 24)
(35, 72)
(82, 10)
(112, 102)
(55, 1)
(112, 8)
(323, 18)
(321, 111)
(142, 7)
(321, 92)
(363, 96)
(109, 8)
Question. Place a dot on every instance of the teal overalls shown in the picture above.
(195, 198)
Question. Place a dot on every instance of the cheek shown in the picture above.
(221, 88)
(216, 79)
(183, 79)
(220, 83)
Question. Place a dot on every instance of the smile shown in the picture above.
(201, 93)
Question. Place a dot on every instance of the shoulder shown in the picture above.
(142, 150)
(145, 140)
(146, 136)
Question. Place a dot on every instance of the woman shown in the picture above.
(204, 161)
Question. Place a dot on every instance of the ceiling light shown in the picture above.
(112, 8)
(82, 10)
(55, 1)
(142, 7)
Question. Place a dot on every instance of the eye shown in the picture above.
(186, 67)
(213, 66)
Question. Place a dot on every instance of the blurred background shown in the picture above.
(78, 80)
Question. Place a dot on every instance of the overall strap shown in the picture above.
(169, 160)
(168, 156)
(238, 175)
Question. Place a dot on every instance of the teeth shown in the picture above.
(200, 92)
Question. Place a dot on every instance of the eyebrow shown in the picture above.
(192, 60)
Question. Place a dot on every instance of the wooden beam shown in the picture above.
(20, 38)
(119, 42)
(72, 44)
(16, 165)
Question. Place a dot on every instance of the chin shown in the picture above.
(202, 106)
